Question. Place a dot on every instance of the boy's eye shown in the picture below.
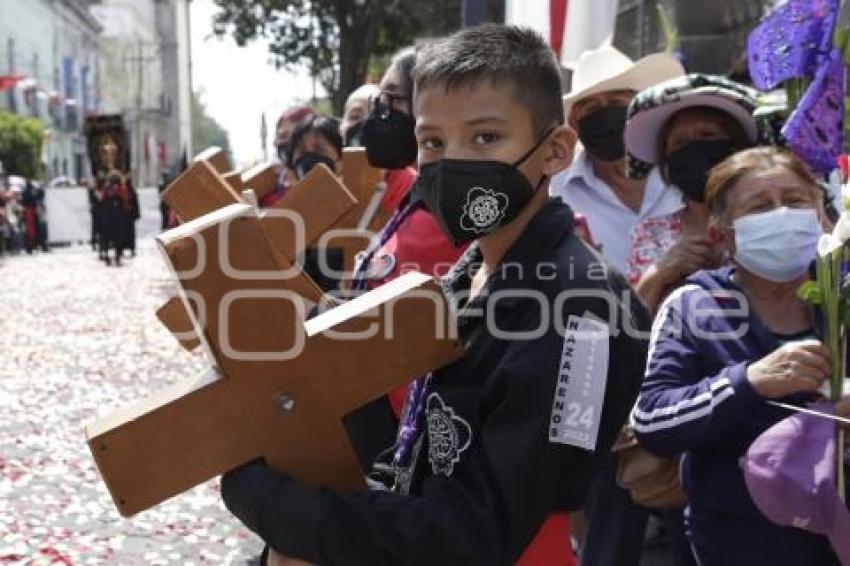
(485, 138)
(430, 143)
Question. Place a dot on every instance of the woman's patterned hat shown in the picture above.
(652, 108)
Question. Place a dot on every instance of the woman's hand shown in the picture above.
(691, 254)
(793, 368)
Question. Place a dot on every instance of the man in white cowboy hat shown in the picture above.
(604, 83)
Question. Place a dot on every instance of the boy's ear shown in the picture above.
(560, 153)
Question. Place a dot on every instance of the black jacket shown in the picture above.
(486, 473)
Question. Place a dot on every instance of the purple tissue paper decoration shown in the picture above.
(791, 41)
(815, 131)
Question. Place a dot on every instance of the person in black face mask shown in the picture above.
(283, 132)
(315, 141)
(686, 126)
(355, 114)
(388, 131)
(486, 450)
(596, 185)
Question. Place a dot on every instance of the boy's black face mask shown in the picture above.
(472, 198)
(689, 165)
(601, 133)
(389, 138)
(306, 162)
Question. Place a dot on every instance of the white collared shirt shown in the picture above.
(610, 221)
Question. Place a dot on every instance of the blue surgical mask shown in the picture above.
(777, 245)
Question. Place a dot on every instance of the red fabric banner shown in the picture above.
(9, 81)
(557, 23)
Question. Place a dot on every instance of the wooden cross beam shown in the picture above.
(367, 218)
(234, 179)
(200, 189)
(216, 157)
(366, 184)
(314, 205)
(280, 386)
(261, 178)
(175, 317)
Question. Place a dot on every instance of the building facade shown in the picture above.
(62, 60)
(132, 80)
(172, 24)
(51, 48)
(76, 92)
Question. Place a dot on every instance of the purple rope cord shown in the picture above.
(360, 280)
(410, 427)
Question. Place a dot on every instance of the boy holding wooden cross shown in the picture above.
(492, 444)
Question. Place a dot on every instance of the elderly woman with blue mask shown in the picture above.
(728, 341)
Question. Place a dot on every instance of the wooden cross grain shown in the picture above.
(319, 200)
(266, 397)
(368, 217)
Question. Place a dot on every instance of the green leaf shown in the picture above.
(842, 42)
(811, 292)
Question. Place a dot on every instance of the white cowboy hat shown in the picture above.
(607, 69)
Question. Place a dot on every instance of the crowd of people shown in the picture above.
(23, 218)
(666, 231)
(113, 204)
(670, 182)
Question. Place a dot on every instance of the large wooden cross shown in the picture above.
(279, 386)
(319, 199)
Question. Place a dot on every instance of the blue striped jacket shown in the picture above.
(696, 399)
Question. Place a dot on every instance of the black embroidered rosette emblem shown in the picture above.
(483, 211)
(448, 436)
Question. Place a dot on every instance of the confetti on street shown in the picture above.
(77, 340)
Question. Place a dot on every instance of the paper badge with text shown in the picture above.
(580, 390)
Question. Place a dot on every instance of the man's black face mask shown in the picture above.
(601, 133)
(472, 198)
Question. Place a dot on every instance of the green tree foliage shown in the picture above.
(335, 39)
(21, 139)
(206, 131)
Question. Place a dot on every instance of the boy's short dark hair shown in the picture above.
(322, 124)
(510, 55)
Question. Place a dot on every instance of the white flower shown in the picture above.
(828, 244)
(841, 232)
